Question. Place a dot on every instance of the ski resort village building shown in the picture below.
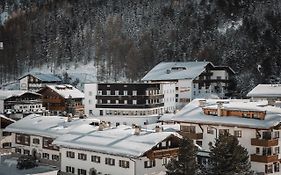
(59, 99)
(34, 134)
(5, 137)
(125, 150)
(17, 104)
(255, 124)
(193, 79)
(36, 81)
(270, 92)
(129, 103)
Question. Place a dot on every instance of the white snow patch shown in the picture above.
(235, 25)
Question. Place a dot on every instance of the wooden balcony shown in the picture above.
(193, 136)
(264, 142)
(264, 159)
(158, 154)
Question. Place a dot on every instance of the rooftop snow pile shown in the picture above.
(192, 113)
(67, 91)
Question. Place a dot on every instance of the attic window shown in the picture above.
(60, 87)
(178, 68)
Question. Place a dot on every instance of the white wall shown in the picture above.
(24, 83)
(136, 166)
(168, 89)
(2, 106)
(90, 91)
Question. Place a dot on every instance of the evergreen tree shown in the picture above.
(185, 164)
(228, 157)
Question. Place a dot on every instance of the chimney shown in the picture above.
(69, 117)
(202, 103)
(102, 125)
(220, 105)
(158, 128)
(137, 130)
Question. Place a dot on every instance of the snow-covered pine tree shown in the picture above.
(228, 157)
(186, 163)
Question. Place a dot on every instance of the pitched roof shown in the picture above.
(192, 113)
(266, 90)
(117, 141)
(48, 126)
(44, 77)
(175, 71)
(4, 94)
(67, 91)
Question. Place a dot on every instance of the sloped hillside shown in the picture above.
(126, 38)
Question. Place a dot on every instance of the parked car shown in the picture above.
(26, 162)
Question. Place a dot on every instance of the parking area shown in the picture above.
(8, 166)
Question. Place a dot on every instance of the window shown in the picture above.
(219, 77)
(116, 92)
(69, 169)
(55, 157)
(223, 131)
(36, 141)
(257, 150)
(95, 159)
(82, 172)
(165, 160)
(109, 161)
(276, 167)
(108, 101)
(108, 92)
(45, 156)
(238, 133)
(99, 92)
(210, 130)
(134, 92)
(18, 150)
(91, 112)
(117, 101)
(134, 102)
(82, 156)
(125, 101)
(189, 129)
(70, 154)
(26, 152)
(124, 163)
(90, 93)
(149, 164)
(276, 134)
(268, 169)
(277, 150)
(125, 92)
(90, 101)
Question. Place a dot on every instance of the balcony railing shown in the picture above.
(193, 136)
(264, 142)
(157, 154)
(264, 158)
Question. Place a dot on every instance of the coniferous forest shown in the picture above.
(126, 38)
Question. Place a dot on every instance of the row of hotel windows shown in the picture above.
(107, 160)
(125, 92)
(25, 140)
(44, 155)
(134, 102)
(268, 151)
(130, 113)
(237, 133)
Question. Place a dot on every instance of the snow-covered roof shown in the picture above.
(167, 117)
(117, 141)
(48, 126)
(4, 94)
(175, 71)
(44, 77)
(192, 113)
(266, 90)
(67, 91)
